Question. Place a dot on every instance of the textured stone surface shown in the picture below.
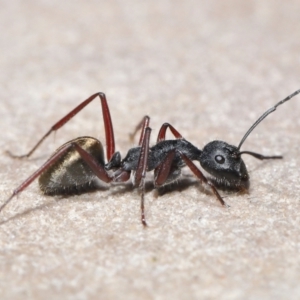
(209, 68)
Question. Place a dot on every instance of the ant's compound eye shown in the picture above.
(219, 159)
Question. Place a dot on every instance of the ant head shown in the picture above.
(224, 162)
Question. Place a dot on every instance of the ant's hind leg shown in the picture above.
(109, 133)
(94, 165)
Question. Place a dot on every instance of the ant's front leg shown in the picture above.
(202, 178)
(109, 133)
(166, 172)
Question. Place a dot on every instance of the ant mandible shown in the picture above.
(77, 166)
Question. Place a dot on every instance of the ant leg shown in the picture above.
(260, 156)
(99, 170)
(142, 125)
(162, 172)
(162, 132)
(140, 173)
(121, 176)
(109, 133)
(202, 178)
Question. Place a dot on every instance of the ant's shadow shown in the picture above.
(185, 182)
(57, 198)
(27, 212)
(182, 184)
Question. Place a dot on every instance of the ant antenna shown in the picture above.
(265, 114)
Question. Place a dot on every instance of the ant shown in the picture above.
(77, 166)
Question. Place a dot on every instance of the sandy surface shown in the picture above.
(210, 69)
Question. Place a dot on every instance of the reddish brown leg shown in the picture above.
(109, 133)
(142, 125)
(141, 170)
(121, 176)
(99, 170)
(162, 172)
(162, 132)
(202, 178)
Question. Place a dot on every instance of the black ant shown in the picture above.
(77, 166)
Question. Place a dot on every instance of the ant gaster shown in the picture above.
(77, 166)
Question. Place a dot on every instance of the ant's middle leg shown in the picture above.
(162, 172)
(162, 132)
(140, 173)
(109, 133)
(144, 123)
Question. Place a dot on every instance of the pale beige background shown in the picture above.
(210, 68)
